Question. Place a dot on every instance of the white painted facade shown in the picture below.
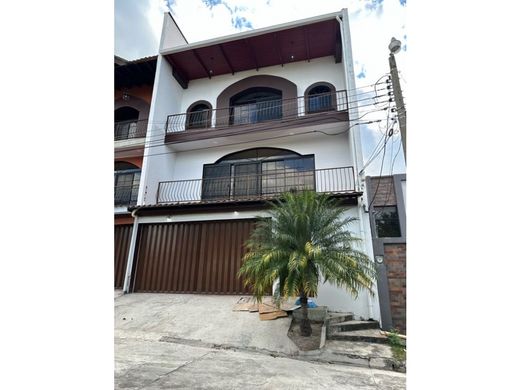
(340, 148)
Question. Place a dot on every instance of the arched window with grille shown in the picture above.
(320, 97)
(199, 115)
(125, 123)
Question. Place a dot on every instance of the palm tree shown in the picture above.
(304, 239)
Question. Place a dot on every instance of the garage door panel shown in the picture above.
(200, 257)
(122, 234)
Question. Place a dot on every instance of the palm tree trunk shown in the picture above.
(305, 324)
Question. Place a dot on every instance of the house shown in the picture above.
(133, 94)
(387, 201)
(235, 121)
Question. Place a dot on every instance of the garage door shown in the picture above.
(122, 235)
(191, 257)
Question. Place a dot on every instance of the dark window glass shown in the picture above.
(387, 221)
(216, 181)
(125, 125)
(256, 105)
(257, 172)
(319, 99)
(126, 186)
(199, 117)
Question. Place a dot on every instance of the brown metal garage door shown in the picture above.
(122, 235)
(191, 257)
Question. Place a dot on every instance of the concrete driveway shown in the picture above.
(198, 320)
(181, 341)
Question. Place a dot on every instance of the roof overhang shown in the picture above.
(135, 73)
(345, 199)
(277, 45)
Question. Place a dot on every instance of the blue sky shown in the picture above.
(373, 23)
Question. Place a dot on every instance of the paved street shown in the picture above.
(183, 341)
(149, 364)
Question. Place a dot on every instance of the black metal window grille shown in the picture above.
(255, 105)
(126, 187)
(319, 99)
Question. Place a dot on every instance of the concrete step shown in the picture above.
(335, 317)
(366, 335)
(347, 326)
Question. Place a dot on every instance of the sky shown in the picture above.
(373, 23)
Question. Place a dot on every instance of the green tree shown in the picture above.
(305, 239)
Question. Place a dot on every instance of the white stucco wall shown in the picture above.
(338, 299)
(163, 164)
(301, 73)
(157, 156)
(171, 34)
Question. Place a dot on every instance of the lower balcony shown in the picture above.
(255, 187)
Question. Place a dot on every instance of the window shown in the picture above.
(126, 183)
(255, 105)
(257, 172)
(199, 116)
(125, 126)
(319, 98)
(387, 221)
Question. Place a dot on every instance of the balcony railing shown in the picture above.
(266, 185)
(130, 129)
(125, 195)
(259, 112)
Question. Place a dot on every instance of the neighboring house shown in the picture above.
(133, 95)
(235, 121)
(387, 195)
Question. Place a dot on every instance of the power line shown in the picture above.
(256, 140)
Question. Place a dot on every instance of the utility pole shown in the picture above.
(395, 46)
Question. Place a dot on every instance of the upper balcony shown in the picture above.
(252, 114)
(130, 129)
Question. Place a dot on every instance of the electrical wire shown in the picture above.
(158, 140)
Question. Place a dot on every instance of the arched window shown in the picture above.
(256, 105)
(320, 97)
(199, 116)
(126, 183)
(257, 173)
(125, 123)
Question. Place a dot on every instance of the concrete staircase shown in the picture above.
(342, 326)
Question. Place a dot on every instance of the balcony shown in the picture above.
(125, 195)
(281, 115)
(131, 129)
(263, 186)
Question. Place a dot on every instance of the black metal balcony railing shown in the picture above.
(130, 129)
(247, 114)
(126, 195)
(266, 185)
